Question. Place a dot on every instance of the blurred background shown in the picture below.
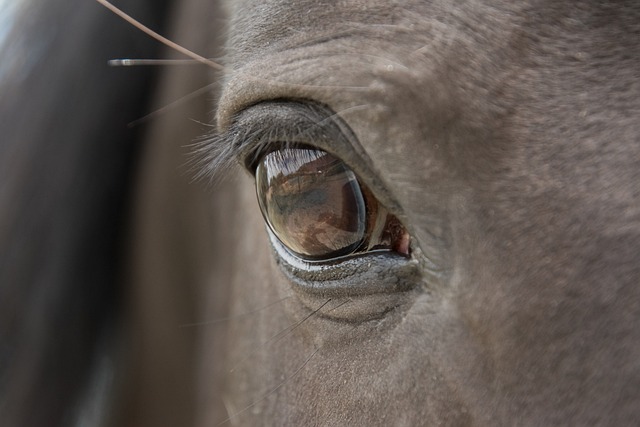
(101, 227)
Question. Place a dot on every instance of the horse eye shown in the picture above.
(316, 206)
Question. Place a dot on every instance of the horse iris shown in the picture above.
(312, 202)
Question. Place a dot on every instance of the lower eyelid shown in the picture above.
(376, 272)
(360, 287)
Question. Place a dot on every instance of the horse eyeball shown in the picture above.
(315, 205)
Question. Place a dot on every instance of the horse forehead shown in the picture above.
(265, 25)
(383, 47)
(481, 57)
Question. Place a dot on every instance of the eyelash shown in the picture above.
(249, 139)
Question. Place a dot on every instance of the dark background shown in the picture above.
(67, 161)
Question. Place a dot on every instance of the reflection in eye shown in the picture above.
(318, 209)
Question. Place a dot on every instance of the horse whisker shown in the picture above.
(280, 335)
(237, 316)
(139, 62)
(209, 125)
(174, 104)
(273, 390)
(160, 38)
(195, 58)
(340, 305)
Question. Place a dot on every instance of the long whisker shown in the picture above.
(237, 316)
(177, 102)
(137, 62)
(160, 38)
(340, 305)
(280, 335)
(207, 125)
(273, 390)
(211, 63)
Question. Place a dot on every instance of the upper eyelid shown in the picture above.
(250, 133)
(270, 125)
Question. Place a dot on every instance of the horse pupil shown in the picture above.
(312, 202)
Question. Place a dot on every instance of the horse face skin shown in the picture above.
(504, 135)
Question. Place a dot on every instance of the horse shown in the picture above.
(446, 229)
